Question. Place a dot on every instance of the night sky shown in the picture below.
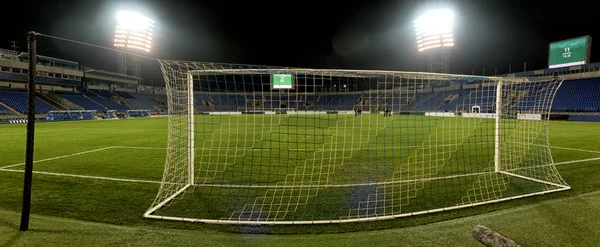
(318, 34)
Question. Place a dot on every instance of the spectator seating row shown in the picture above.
(17, 99)
(582, 95)
(105, 99)
(4, 110)
(81, 100)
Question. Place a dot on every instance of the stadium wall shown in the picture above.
(99, 87)
(584, 117)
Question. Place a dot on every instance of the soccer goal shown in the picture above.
(446, 142)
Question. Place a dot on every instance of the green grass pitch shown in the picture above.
(305, 168)
(88, 172)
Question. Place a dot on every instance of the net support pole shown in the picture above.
(31, 43)
(190, 137)
(497, 137)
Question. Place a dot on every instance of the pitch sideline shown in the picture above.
(59, 157)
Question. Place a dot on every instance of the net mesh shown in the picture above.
(345, 145)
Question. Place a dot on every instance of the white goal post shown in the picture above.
(449, 142)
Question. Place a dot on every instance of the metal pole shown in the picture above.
(497, 137)
(30, 133)
(191, 133)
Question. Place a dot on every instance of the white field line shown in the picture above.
(60, 157)
(576, 161)
(130, 147)
(301, 150)
(342, 185)
(293, 149)
(80, 153)
(5, 168)
(87, 177)
(268, 186)
(577, 149)
(555, 164)
(36, 132)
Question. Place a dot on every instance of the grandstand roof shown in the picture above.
(103, 72)
(25, 55)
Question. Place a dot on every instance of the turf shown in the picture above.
(122, 203)
(342, 157)
(548, 223)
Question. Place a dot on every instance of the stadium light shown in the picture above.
(434, 29)
(134, 31)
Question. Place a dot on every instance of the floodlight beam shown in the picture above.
(434, 29)
(134, 31)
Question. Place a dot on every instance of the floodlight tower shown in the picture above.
(435, 38)
(133, 35)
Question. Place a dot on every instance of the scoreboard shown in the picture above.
(282, 81)
(570, 52)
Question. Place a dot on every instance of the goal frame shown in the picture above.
(191, 153)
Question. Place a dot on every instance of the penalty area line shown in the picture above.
(87, 177)
(130, 147)
(59, 157)
(576, 161)
(37, 132)
(576, 149)
(555, 164)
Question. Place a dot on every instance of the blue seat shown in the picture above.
(578, 96)
(17, 99)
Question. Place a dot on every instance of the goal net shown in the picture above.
(268, 145)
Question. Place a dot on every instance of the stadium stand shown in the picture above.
(81, 100)
(575, 95)
(101, 93)
(4, 110)
(139, 102)
(161, 99)
(102, 98)
(239, 100)
(325, 100)
(17, 100)
(428, 101)
(453, 100)
(581, 95)
(342, 101)
(220, 102)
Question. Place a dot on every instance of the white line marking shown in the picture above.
(129, 147)
(343, 185)
(268, 186)
(296, 149)
(576, 149)
(88, 177)
(60, 157)
(555, 164)
(5, 168)
(536, 180)
(36, 132)
(576, 161)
